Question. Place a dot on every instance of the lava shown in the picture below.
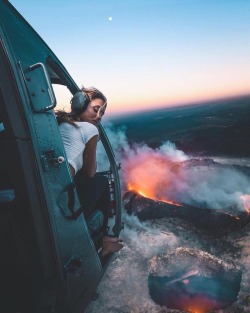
(246, 202)
(150, 194)
(151, 174)
(198, 304)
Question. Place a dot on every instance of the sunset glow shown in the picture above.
(151, 54)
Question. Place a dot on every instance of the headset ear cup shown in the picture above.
(80, 101)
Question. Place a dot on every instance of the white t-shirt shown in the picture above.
(75, 139)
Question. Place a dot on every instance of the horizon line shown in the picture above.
(176, 106)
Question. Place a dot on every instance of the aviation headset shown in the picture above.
(80, 101)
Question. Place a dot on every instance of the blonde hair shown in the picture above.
(66, 117)
(94, 93)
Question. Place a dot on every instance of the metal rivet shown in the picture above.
(60, 159)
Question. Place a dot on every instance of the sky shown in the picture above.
(146, 54)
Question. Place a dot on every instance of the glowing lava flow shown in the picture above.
(170, 202)
(150, 195)
(246, 202)
(150, 174)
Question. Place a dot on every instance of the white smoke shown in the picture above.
(119, 143)
(169, 150)
(124, 288)
(145, 238)
(164, 170)
(213, 188)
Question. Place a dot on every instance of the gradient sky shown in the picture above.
(148, 53)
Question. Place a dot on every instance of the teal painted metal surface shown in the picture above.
(67, 261)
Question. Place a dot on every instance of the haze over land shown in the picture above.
(215, 128)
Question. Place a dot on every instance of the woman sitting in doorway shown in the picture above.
(80, 135)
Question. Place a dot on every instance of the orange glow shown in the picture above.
(195, 311)
(171, 202)
(141, 193)
(246, 202)
(152, 176)
(160, 177)
(198, 304)
(130, 188)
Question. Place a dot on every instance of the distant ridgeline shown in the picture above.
(216, 128)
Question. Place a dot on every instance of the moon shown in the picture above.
(110, 18)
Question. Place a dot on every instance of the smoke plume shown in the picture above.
(165, 173)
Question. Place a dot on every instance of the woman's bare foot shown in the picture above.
(111, 244)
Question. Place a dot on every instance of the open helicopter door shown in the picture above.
(53, 265)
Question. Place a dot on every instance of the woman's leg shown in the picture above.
(94, 195)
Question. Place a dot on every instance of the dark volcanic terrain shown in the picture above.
(215, 132)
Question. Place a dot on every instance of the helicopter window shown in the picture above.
(63, 97)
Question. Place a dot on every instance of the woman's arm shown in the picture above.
(89, 157)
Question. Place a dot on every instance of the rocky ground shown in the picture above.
(124, 288)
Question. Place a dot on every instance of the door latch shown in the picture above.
(50, 160)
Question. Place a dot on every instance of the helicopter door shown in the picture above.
(79, 261)
(65, 263)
